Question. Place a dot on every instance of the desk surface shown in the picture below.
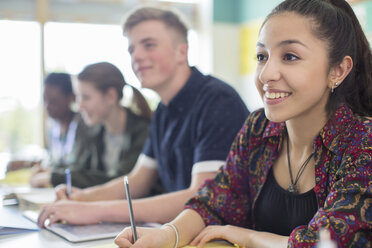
(46, 239)
(43, 238)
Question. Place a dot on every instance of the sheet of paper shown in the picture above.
(12, 218)
(38, 197)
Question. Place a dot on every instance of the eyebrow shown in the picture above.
(147, 40)
(284, 42)
(144, 40)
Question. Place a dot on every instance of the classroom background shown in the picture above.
(43, 36)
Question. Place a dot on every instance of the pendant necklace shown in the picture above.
(293, 186)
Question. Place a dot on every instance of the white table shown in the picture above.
(45, 239)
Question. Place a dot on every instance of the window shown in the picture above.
(68, 47)
(20, 94)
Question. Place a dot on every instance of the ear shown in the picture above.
(339, 72)
(111, 95)
(182, 51)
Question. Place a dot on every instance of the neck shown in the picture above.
(168, 91)
(303, 130)
(65, 122)
(116, 120)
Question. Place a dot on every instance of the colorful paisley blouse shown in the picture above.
(343, 176)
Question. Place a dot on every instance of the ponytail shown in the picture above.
(104, 75)
(139, 104)
(358, 93)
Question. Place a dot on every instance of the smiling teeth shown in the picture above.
(274, 95)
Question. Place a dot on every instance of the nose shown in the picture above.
(269, 71)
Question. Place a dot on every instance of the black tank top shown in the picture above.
(279, 211)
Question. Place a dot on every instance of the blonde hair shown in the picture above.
(168, 17)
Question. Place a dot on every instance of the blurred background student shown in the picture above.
(64, 128)
(114, 151)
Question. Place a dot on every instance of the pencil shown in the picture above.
(131, 215)
(68, 182)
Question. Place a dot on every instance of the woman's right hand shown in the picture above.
(62, 195)
(163, 237)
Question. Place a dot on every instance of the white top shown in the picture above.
(199, 167)
(60, 147)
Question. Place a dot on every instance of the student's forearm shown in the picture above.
(140, 179)
(162, 208)
(159, 209)
(112, 190)
(165, 207)
(112, 211)
(189, 224)
(265, 239)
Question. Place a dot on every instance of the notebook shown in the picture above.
(81, 233)
(12, 222)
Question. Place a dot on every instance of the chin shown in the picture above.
(88, 121)
(146, 83)
(274, 116)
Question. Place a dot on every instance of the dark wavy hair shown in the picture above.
(335, 23)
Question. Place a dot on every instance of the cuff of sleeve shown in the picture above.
(146, 161)
(207, 166)
(57, 178)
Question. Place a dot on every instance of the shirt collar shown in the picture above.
(186, 96)
(274, 129)
(330, 134)
(339, 123)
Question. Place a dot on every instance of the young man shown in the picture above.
(190, 135)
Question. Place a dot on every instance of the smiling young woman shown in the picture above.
(304, 162)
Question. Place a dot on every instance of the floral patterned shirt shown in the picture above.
(343, 176)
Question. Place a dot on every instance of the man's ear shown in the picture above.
(182, 52)
(339, 72)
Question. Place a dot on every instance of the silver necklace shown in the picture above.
(293, 186)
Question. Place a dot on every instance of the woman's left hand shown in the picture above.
(233, 234)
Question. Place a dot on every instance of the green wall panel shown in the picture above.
(369, 16)
(239, 11)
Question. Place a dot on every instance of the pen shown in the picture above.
(131, 216)
(68, 182)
